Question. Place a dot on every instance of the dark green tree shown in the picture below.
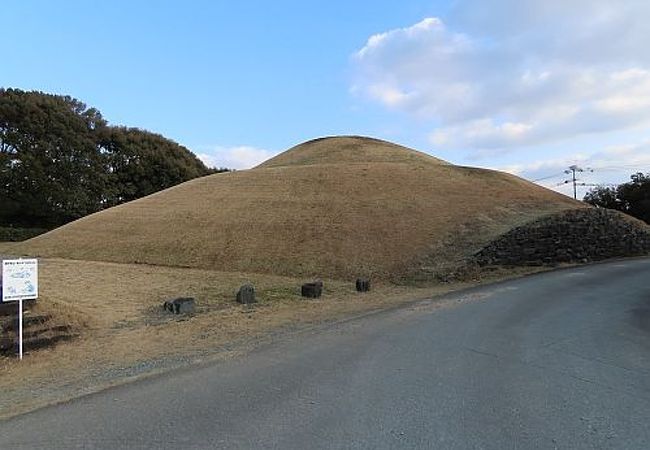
(603, 197)
(50, 169)
(632, 198)
(140, 163)
(59, 160)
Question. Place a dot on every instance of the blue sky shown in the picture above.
(525, 86)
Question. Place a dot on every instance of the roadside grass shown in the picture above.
(124, 332)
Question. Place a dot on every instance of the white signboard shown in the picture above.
(19, 279)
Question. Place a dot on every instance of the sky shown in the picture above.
(528, 87)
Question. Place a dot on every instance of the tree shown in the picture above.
(50, 170)
(632, 198)
(140, 163)
(604, 197)
(59, 160)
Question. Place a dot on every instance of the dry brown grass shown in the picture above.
(336, 207)
(6, 247)
(348, 150)
(117, 310)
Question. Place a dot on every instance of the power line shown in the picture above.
(549, 177)
(598, 184)
(618, 168)
(574, 181)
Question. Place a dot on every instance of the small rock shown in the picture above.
(312, 290)
(363, 285)
(246, 294)
(180, 305)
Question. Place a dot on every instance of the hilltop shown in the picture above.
(348, 150)
(334, 207)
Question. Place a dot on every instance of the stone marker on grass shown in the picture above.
(246, 294)
(363, 285)
(180, 305)
(312, 290)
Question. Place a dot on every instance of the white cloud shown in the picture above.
(612, 164)
(241, 157)
(513, 73)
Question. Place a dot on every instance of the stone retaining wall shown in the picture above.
(573, 236)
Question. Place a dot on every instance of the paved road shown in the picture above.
(559, 360)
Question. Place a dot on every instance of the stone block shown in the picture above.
(246, 294)
(363, 285)
(312, 290)
(180, 305)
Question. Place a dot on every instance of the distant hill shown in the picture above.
(333, 207)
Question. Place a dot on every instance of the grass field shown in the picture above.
(335, 208)
(6, 246)
(125, 333)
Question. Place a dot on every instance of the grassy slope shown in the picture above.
(334, 207)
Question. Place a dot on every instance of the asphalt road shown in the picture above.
(558, 360)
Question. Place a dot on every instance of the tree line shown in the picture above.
(632, 198)
(60, 160)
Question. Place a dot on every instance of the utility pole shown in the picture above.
(572, 171)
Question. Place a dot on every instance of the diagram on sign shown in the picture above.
(19, 280)
(22, 282)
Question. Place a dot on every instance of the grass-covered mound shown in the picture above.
(334, 207)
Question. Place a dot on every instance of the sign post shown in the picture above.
(20, 329)
(19, 282)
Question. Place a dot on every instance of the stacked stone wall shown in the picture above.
(574, 236)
